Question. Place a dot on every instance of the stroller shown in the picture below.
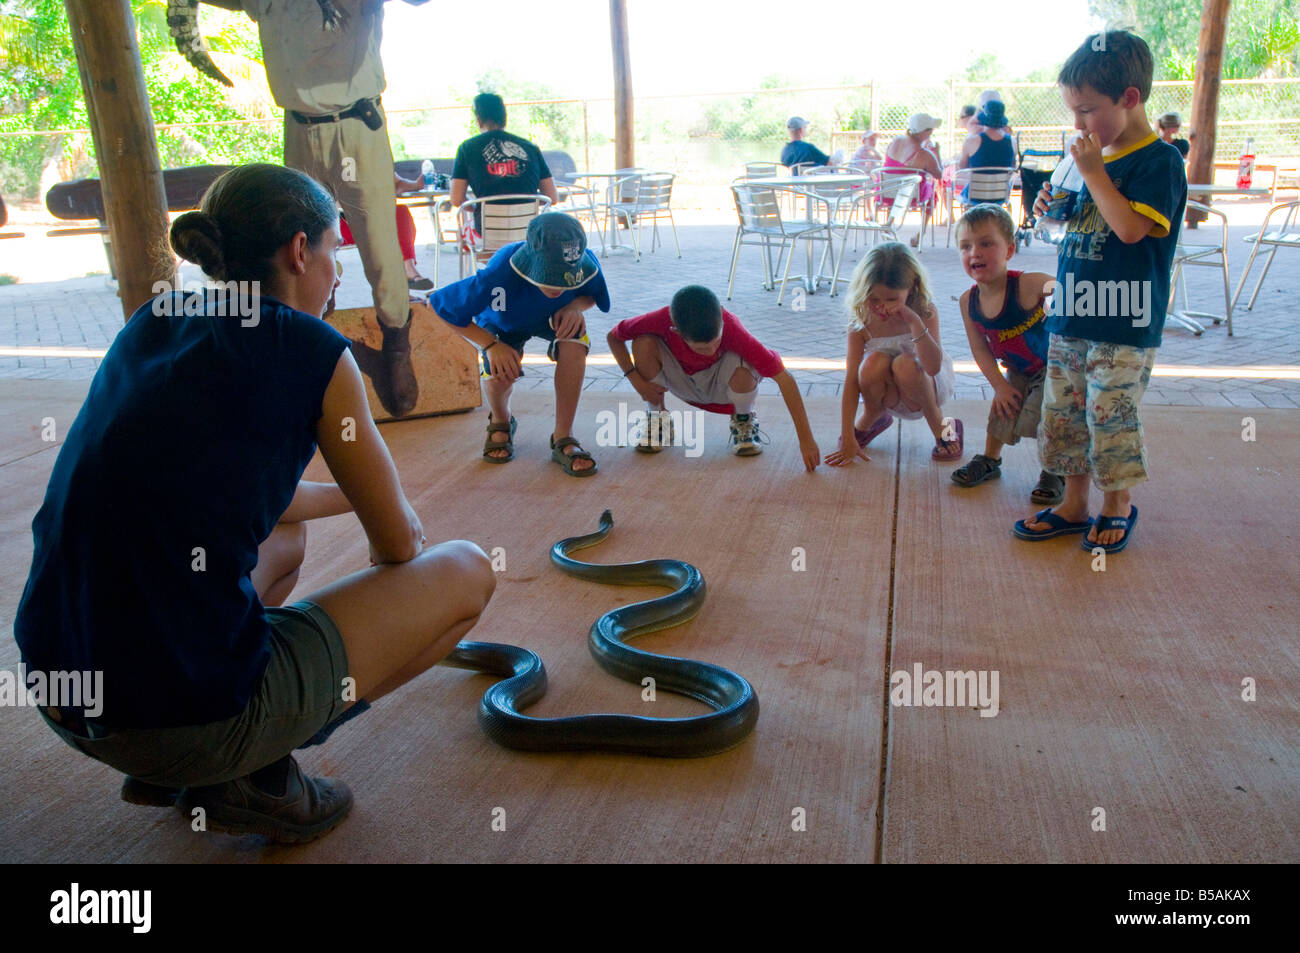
(1036, 168)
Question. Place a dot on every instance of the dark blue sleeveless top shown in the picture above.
(192, 439)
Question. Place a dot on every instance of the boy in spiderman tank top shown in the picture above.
(1005, 322)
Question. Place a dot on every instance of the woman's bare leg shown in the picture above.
(400, 619)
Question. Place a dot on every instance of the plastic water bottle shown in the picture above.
(1066, 183)
(426, 170)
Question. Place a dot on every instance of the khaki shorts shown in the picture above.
(1008, 431)
(301, 691)
(709, 386)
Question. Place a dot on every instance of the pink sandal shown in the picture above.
(949, 449)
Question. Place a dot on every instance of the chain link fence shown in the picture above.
(704, 138)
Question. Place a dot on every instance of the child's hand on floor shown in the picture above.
(842, 457)
(812, 454)
(1006, 400)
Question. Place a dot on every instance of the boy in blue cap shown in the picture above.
(539, 287)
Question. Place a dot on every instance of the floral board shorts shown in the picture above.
(1090, 411)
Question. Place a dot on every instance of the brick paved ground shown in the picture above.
(83, 312)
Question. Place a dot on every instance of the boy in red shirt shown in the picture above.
(703, 355)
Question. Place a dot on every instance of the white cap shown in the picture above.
(797, 122)
(919, 122)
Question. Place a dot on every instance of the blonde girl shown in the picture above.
(895, 363)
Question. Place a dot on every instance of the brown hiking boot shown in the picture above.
(398, 372)
(309, 807)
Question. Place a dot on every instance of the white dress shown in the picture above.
(944, 382)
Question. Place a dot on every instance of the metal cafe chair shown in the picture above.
(760, 223)
(505, 219)
(1285, 235)
(1212, 254)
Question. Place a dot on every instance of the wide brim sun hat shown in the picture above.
(555, 253)
(993, 115)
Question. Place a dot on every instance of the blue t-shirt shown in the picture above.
(187, 451)
(1107, 290)
(796, 151)
(507, 304)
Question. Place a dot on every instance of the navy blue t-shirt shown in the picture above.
(1109, 291)
(507, 304)
(187, 451)
(796, 151)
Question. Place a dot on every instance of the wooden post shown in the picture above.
(1205, 98)
(126, 147)
(624, 148)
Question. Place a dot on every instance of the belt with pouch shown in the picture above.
(367, 110)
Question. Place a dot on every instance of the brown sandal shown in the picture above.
(508, 445)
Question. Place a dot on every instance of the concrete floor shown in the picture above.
(1119, 691)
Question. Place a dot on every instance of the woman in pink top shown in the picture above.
(915, 150)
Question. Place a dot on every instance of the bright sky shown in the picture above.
(687, 46)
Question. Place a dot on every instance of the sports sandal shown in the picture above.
(656, 432)
(949, 449)
(508, 445)
(566, 459)
(979, 469)
(1059, 526)
(1127, 524)
(865, 437)
(308, 808)
(1050, 489)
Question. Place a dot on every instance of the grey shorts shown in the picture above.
(301, 691)
(1008, 431)
(709, 386)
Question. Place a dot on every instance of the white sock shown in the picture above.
(743, 403)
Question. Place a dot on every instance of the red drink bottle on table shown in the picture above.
(1246, 166)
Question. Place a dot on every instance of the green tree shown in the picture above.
(1263, 40)
(38, 72)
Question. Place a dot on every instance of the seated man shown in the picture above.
(496, 162)
(797, 151)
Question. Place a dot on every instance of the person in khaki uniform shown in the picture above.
(328, 79)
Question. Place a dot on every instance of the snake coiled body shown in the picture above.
(732, 698)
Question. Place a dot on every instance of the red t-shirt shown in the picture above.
(734, 338)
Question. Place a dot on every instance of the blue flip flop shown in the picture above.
(1104, 523)
(1059, 526)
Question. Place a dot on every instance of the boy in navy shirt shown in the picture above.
(1112, 288)
(539, 287)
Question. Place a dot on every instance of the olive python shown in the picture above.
(733, 699)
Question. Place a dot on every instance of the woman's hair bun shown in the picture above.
(196, 237)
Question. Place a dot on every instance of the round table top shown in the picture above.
(809, 181)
